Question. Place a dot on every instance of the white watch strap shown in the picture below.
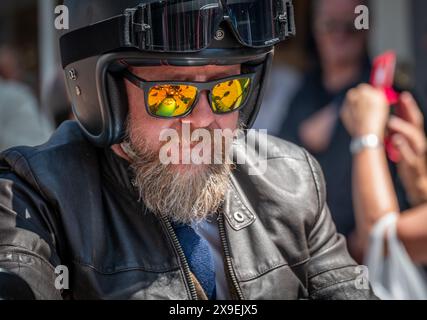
(370, 141)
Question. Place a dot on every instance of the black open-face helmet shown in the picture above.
(106, 36)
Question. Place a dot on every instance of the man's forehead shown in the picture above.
(209, 71)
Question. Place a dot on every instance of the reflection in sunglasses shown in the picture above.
(176, 100)
(228, 96)
(171, 100)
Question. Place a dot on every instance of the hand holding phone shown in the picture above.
(382, 77)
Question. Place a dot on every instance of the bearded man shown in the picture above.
(99, 205)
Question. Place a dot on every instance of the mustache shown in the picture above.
(186, 146)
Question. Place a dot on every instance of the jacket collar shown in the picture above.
(118, 171)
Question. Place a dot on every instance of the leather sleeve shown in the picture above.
(26, 241)
(332, 273)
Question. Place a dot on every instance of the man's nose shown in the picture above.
(202, 115)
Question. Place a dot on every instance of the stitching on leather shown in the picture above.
(240, 203)
(27, 254)
(315, 178)
(285, 157)
(333, 269)
(332, 285)
(297, 264)
(53, 147)
(316, 183)
(275, 267)
(127, 269)
(236, 194)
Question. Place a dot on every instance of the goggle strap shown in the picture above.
(101, 37)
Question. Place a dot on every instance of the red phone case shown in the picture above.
(382, 77)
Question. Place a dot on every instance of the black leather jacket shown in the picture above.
(69, 203)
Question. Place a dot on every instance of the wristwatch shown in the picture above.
(369, 141)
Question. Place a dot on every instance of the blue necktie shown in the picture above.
(199, 257)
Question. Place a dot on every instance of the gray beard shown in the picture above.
(185, 197)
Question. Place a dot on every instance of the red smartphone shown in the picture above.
(382, 77)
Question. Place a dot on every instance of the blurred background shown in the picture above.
(312, 73)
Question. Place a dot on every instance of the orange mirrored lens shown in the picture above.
(171, 100)
(229, 96)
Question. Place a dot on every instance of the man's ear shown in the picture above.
(117, 149)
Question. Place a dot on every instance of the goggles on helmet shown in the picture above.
(182, 26)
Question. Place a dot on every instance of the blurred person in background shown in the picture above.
(313, 120)
(366, 113)
(291, 60)
(283, 84)
(10, 68)
(21, 122)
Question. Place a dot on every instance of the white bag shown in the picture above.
(394, 277)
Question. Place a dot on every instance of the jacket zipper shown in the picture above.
(181, 256)
(227, 257)
(184, 263)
